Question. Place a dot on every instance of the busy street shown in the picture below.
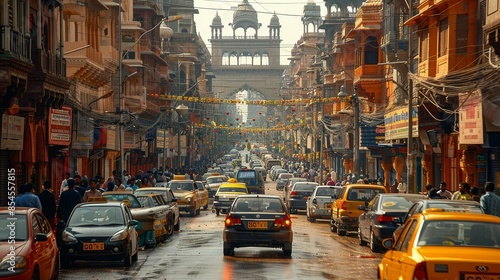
(195, 252)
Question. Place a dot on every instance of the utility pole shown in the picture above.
(410, 166)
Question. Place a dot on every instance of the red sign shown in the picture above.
(60, 126)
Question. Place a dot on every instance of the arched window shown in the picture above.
(257, 59)
(371, 50)
(225, 58)
(245, 58)
(265, 59)
(233, 59)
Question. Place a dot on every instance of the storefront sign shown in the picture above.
(396, 124)
(129, 140)
(12, 133)
(60, 126)
(471, 118)
(162, 139)
(84, 132)
(111, 138)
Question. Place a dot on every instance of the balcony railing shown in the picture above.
(15, 43)
(49, 63)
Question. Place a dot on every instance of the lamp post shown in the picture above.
(355, 103)
(121, 132)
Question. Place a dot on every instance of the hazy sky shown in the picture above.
(289, 13)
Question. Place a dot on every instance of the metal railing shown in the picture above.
(15, 43)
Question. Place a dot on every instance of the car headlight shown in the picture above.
(68, 237)
(121, 235)
(13, 263)
(188, 199)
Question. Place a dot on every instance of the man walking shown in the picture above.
(48, 201)
(93, 192)
(28, 198)
(490, 201)
(67, 201)
(443, 192)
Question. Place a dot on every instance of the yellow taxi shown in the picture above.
(441, 244)
(226, 194)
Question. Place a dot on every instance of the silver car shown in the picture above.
(319, 204)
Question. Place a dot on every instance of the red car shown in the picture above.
(28, 244)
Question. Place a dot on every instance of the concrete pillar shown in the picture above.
(469, 166)
(427, 167)
(387, 167)
(399, 164)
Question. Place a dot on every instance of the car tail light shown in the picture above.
(293, 193)
(343, 205)
(385, 219)
(232, 221)
(285, 221)
(420, 272)
(216, 198)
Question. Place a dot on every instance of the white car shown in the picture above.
(319, 204)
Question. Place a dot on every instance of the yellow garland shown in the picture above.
(291, 102)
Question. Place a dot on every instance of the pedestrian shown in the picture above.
(92, 192)
(64, 183)
(463, 192)
(402, 187)
(474, 192)
(443, 192)
(118, 185)
(28, 198)
(432, 192)
(490, 201)
(394, 186)
(67, 201)
(78, 185)
(48, 201)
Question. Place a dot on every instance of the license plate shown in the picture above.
(257, 225)
(93, 246)
(474, 276)
(328, 205)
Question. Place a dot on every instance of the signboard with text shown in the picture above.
(471, 118)
(12, 133)
(396, 124)
(59, 126)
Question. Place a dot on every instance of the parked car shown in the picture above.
(169, 198)
(150, 201)
(35, 252)
(442, 244)
(149, 233)
(100, 231)
(289, 185)
(226, 194)
(382, 216)
(319, 204)
(262, 171)
(345, 209)
(277, 172)
(256, 220)
(213, 183)
(282, 179)
(298, 195)
(203, 194)
(187, 196)
(252, 179)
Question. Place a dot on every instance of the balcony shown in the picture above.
(49, 63)
(110, 57)
(84, 62)
(368, 72)
(15, 43)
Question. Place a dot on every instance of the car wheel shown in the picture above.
(177, 226)
(360, 237)
(217, 212)
(198, 212)
(127, 262)
(36, 274)
(333, 227)
(228, 249)
(341, 232)
(374, 247)
(65, 261)
(287, 249)
(192, 212)
(309, 217)
(169, 227)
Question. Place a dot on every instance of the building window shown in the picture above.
(462, 33)
(371, 50)
(443, 37)
(424, 45)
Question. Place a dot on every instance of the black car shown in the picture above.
(258, 221)
(100, 231)
(382, 216)
(298, 195)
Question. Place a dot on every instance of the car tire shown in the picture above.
(228, 249)
(309, 217)
(287, 249)
(192, 212)
(177, 226)
(135, 257)
(36, 274)
(169, 227)
(65, 261)
(198, 212)
(341, 232)
(127, 261)
(360, 238)
(333, 227)
(374, 247)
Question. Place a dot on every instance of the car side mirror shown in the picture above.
(388, 243)
(41, 237)
(133, 223)
(314, 201)
(362, 207)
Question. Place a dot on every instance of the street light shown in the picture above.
(164, 34)
(355, 102)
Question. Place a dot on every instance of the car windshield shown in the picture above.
(13, 227)
(96, 216)
(327, 192)
(363, 194)
(462, 233)
(214, 180)
(258, 204)
(145, 202)
(129, 199)
(181, 186)
(231, 189)
(398, 202)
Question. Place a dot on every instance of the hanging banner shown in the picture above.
(12, 133)
(396, 124)
(60, 126)
(471, 118)
(162, 139)
(84, 132)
